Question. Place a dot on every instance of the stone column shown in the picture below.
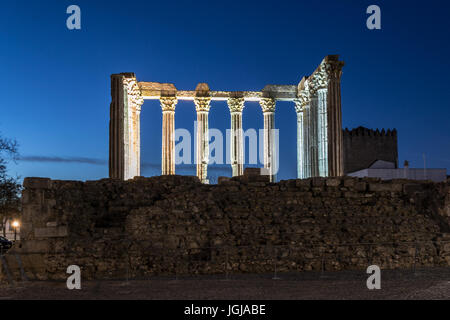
(270, 157)
(168, 105)
(303, 104)
(301, 174)
(319, 85)
(202, 105)
(313, 134)
(306, 148)
(124, 132)
(322, 132)
(334, 117)
(138, 140)
(236, 105)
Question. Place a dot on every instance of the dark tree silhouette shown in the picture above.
(9, 186)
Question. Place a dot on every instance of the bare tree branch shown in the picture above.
(9, 186)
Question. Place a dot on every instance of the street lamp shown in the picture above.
(15, 225)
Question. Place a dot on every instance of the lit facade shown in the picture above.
(317, 101)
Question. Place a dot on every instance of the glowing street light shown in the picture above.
(15, 225)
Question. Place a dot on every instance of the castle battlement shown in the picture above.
(363, 146)
(365, 132)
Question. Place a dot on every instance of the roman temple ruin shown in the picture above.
(317, 101)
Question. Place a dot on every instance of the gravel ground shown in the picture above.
(424, 284)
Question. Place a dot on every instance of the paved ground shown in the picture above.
(425, 284)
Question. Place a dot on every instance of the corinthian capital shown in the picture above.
(236, 104)
(168, 103)
(334, 69)
(202, 104)
(267, 104)
(304, 97)
(319, 80)
(299, 105)
(134, 92)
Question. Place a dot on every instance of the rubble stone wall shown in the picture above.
(174, 225)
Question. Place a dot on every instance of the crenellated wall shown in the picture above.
(362, 147)
(176, 225)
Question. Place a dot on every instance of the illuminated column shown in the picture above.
(306, 148)
(322, 129)
(313, 136)
(268, 108)
(202, 105)
(303, 108)
(320, 95)
(301, 174)
(236, 105)
(168, 105)
(334, 117)
(138, 140)
(319, 85)
(124, 127)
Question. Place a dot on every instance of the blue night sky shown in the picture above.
(55, 88)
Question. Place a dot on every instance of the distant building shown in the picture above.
(387, 171)
(362, 147)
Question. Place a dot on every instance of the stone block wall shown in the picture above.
(175, 225)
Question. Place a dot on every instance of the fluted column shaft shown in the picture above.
(270, 157)
(306, 148)
(334, 118)
(202, 106)
(168, 105)
(124, 155)
(138, 140)
(300, 140)
(236, 105)
(313, 136)
(322, 132)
